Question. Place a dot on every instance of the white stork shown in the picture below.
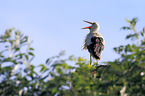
(94, 42)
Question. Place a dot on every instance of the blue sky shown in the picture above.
(55, 25)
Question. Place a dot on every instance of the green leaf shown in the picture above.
(115, 49)
(45, 77)
(30, 53)
(25, 39)
(142, 34)
(127, 20)
(27, 57)
(31, 48)
(134, 21)
(47, 60)
(125, 27)
(43, 67)
(20, 55)
(132, 36)
(71, 58)
(32, 67)
(17, 49)
(119, 49)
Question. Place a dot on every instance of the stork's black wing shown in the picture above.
(96, 47)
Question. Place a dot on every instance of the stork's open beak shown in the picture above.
(89, 26)
(88, 22)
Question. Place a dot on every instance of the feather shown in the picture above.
(94, 42)
(96, 47)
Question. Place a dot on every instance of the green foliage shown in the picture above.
(132, 62)
(71, 76)
(12, 60)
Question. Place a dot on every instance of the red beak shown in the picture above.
(89, 26)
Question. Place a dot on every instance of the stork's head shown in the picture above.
(93, 28)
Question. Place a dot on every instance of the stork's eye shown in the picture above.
(93, 23)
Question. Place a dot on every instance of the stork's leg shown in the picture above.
(90, 60)
(97, 62)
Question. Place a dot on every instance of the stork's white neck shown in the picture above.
(94, 28)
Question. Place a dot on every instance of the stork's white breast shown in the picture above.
(88, 39)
